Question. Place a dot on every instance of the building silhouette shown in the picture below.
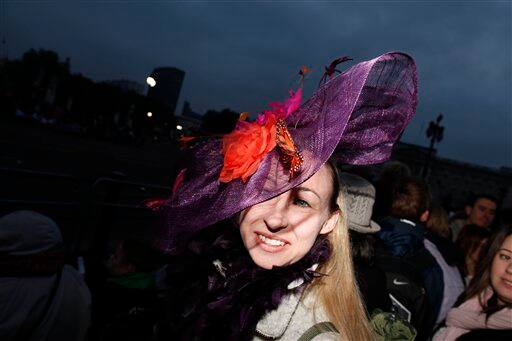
(189, 121)
(166, 90)
(127, 85)
(451, 181)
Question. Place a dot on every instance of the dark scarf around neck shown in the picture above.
(215, 290)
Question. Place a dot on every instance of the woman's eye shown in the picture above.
(504, 257)
(301, 203)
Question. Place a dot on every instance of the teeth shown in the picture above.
(269, 241)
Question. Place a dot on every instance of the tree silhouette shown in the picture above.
(219, 122)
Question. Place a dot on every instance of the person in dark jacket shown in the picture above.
(403, 235)
(360, 196)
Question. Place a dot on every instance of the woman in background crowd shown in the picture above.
(484, 310)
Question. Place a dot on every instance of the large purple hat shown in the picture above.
(357, 115)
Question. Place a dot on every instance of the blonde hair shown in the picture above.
(338, 292)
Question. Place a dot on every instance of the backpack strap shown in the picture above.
(317, 329)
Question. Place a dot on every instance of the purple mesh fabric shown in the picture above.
(360, 113)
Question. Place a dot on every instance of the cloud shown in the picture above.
(244, 55)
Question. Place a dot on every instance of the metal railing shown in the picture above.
(90, 212)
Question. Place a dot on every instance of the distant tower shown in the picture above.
(164, 89)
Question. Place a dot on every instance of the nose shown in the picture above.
(277, 218)
(509, 268)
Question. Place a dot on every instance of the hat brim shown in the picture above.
(362, 112)
(373, 227)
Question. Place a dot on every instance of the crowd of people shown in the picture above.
(261, 240)
(428, 274)
(413, 278)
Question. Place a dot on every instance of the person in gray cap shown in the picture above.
(373, 270)
(41, 298)
(360, 201)
(360, 197)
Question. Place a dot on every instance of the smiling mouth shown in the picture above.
(507, 282)
(272, 242)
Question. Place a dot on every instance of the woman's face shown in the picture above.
(501, 271)
(280, 231)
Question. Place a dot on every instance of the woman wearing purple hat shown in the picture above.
(255, 228)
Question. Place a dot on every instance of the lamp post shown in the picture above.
(435, 133)
(151, 81)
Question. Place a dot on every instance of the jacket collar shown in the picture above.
(274, 323)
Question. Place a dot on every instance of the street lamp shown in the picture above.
(179, 127)
(149, 114)
(435, 131)
(435, 134)
(151, 81)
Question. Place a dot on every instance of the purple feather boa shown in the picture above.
(216, 292)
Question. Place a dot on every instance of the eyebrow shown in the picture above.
(305, 189)
(489, 208)
(502, 249)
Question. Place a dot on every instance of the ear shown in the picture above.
(468, 209)
(330, 223)
(424, 216)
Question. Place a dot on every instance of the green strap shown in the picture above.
(317, 329)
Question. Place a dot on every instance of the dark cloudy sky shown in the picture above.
(241, 55)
